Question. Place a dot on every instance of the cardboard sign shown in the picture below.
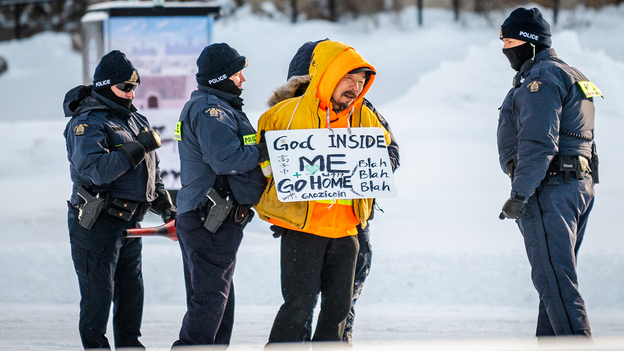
(318, 164)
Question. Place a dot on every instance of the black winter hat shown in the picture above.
(114, 68)
(527, 25)
(300, 63)
(218, 62)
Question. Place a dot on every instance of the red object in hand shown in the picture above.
(167, 230)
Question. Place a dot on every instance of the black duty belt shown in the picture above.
(91, 206)
(568, 166)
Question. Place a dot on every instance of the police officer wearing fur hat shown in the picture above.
(221, 180)
(116, 179)
(546, 146)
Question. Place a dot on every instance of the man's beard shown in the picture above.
(339, 106)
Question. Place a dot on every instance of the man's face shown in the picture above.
(347, 90)
(238, 78)
(509, 43)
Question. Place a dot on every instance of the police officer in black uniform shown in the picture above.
(221, 179)
(545, 144)
(116, 179)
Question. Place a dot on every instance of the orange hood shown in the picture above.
(332, 60)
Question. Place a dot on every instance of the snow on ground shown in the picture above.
(445, 268)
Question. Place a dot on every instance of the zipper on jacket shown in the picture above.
(271, 184)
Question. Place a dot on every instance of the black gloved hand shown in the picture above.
(149, 138)
(164, 206)
(169, 214)
(512, 209)
(264, 152)
(277, 231)
(134, 151)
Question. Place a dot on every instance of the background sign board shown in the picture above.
(321, 164)
(163, 43)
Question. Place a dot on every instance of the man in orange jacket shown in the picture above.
(298, 79)
(319, 238)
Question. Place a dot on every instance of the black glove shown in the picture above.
(277, 231)
(149, 138)
(134, 151)
(164, 206)
(512, 209)
(264, 152)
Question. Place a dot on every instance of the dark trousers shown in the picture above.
(209, 261)
(109, 270)
(310, 264)
(362, 270)
(553, 227)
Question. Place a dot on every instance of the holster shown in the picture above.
(577, 166)
(216, 211)
(593, 163)
(90, 207)
(510, 168)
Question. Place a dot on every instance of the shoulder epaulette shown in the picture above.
(212, 100)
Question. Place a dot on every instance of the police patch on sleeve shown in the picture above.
(590, 89)
(177, 133)
(80, 129)
(212, 112)
(249, 139)
(534, 86)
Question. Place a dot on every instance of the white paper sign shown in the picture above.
(316, 164)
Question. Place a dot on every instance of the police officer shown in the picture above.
(116, 179)
(545, 144)
(221, 179)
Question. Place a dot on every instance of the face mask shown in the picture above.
(227, 86)
(518, 55)
(108, 93)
